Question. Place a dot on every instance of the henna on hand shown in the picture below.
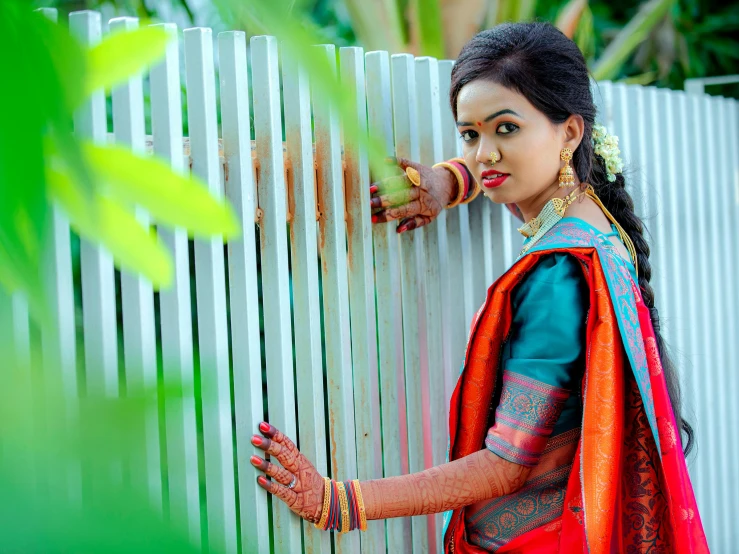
(306, 496)
(449, 486)
(399, 199)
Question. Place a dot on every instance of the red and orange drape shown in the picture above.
(624, 493)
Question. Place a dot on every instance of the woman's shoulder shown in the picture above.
(556, 268)
(557, 276)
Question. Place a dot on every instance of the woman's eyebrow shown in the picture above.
(488, 118)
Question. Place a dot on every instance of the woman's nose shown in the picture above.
(483, 151)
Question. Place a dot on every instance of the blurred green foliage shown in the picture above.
(693, 38)
(68, 454)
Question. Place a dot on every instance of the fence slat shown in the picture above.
(436, 272)
(175, 312)
(723, 193)
(332, 243)
(480, 282)
(412, 282)
(244, 297)
(98, 284)
(674, 243)
(137, 296)
(706, 418)
(304, 263)
(389, 310)
(58, 339)
(730, 199)
(720, 316)
(362, 292)
(274, 258)
(458, 245)
(210, 281)
(696, 309)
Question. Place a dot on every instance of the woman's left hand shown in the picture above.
(297, 483)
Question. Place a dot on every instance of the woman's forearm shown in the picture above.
(476, 477)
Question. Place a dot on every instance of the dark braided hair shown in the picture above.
(538, 61)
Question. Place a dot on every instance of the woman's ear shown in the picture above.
(573, 128)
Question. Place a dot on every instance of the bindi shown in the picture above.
(479, 123)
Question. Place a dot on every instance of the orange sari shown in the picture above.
(628, 489)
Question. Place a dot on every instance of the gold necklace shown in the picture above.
(550, 214)
(554, 210)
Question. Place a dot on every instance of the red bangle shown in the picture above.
(466, 177)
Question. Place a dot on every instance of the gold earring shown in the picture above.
(566, 174)
(493, 158)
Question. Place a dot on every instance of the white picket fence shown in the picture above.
(395, 310)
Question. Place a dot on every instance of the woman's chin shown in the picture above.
(498, 196)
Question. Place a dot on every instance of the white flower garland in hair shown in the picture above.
(606, 146)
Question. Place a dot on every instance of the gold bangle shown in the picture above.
(460, 182)
(344, 504)
(478, 188)
(326, 503)
(360, 506)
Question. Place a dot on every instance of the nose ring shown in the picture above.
(493, 158)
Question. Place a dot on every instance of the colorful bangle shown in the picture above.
(459, 170)
(326, 504)
(475, 189)
(344, 505)
(360, 507)
(352, 504)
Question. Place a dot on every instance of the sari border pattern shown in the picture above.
(539, 502)
(525, 418)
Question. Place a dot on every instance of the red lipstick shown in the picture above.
(492, 178)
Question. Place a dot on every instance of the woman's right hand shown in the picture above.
(397, 198)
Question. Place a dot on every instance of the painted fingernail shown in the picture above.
(262, 480)
(374, 189)
(256, 460)
(402, 229)
(374, 219)
(376, 203)
(256, 441)
(264, 427)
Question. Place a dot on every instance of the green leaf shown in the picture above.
(31, 97)
(631, 36)
(169, 197)
(101, 220)
(123, 54)
(722, 47)
(430, 36)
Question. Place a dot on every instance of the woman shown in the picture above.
(565, 422)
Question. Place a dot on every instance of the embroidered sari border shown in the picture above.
(525, 418)
(537, 503)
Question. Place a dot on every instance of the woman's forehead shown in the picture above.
(486, 96)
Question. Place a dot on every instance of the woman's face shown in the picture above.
(492, 118)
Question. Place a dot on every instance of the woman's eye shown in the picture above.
(468, 135)
(506, 128)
